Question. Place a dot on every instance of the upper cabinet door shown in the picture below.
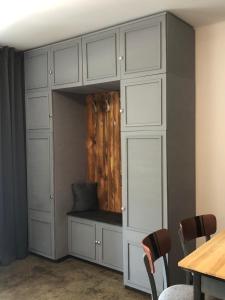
(36, 69)
(66, 64)
(143, 103)
(143, 47)
(38, 110)
(100, 57)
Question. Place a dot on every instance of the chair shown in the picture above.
(193, 228)
(157, 245)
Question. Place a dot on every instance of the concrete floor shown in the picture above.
(37, 278)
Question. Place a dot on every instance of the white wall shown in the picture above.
(210, 121)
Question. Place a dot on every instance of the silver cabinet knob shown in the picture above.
(123, 208)
(120, 57)
(96, 242)
(50, 72)
(121, 110)
(99, 242)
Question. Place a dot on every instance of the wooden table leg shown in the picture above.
(198, 295)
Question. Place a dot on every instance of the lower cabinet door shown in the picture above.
(144, 200)
(82, 238)
(135, 274)
(110, 246)
(41, 234)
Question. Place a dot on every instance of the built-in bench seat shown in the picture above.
(99, 216)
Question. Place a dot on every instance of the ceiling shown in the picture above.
(26, 24)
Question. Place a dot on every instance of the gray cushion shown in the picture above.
(178, 292)
(85, 196)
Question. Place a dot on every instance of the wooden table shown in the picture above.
(207, 263)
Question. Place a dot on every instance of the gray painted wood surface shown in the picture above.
(40, 237)
(40, 193)
(82, 237)
(135, 274)
(66, 64)
(70, 161)
(144, 199)
(161, 46)
(180, 162)
(38, 110)
(143, 47)
(100, 56)
(41, 233)
(111, 247)
(143, 176)
(39, 166)
(96, 242)
(36, 63)
(143, 103)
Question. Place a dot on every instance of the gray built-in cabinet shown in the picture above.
(152, 61)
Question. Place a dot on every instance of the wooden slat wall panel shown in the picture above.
(103, 148)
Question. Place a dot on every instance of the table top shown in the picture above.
(208, 259)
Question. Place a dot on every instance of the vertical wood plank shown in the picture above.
(103, 148)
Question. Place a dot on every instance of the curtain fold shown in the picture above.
(13, 197)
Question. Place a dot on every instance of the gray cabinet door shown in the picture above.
(143, 103)
(37, 69)
(39, 171)
(143, 178)
(111, 246)
(100, 57)
(38, 110)
(143, 47)
(41, 233)
(66, 64)
(135, 274)
(143, 196)
(82, 238)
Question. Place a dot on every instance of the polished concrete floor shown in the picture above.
(35, 278)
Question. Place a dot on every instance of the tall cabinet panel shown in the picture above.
(157, 111)
(40, 192)
(39, 152)
(144, 176)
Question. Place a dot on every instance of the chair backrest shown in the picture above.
(199, 226)
(156, 245)
(193, 228)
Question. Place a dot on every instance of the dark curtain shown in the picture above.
(13, 198)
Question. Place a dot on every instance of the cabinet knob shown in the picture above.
(121, 110)
(50, 72)
(99, 242)
(96, 242)
(120, 57)
(123, 208)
